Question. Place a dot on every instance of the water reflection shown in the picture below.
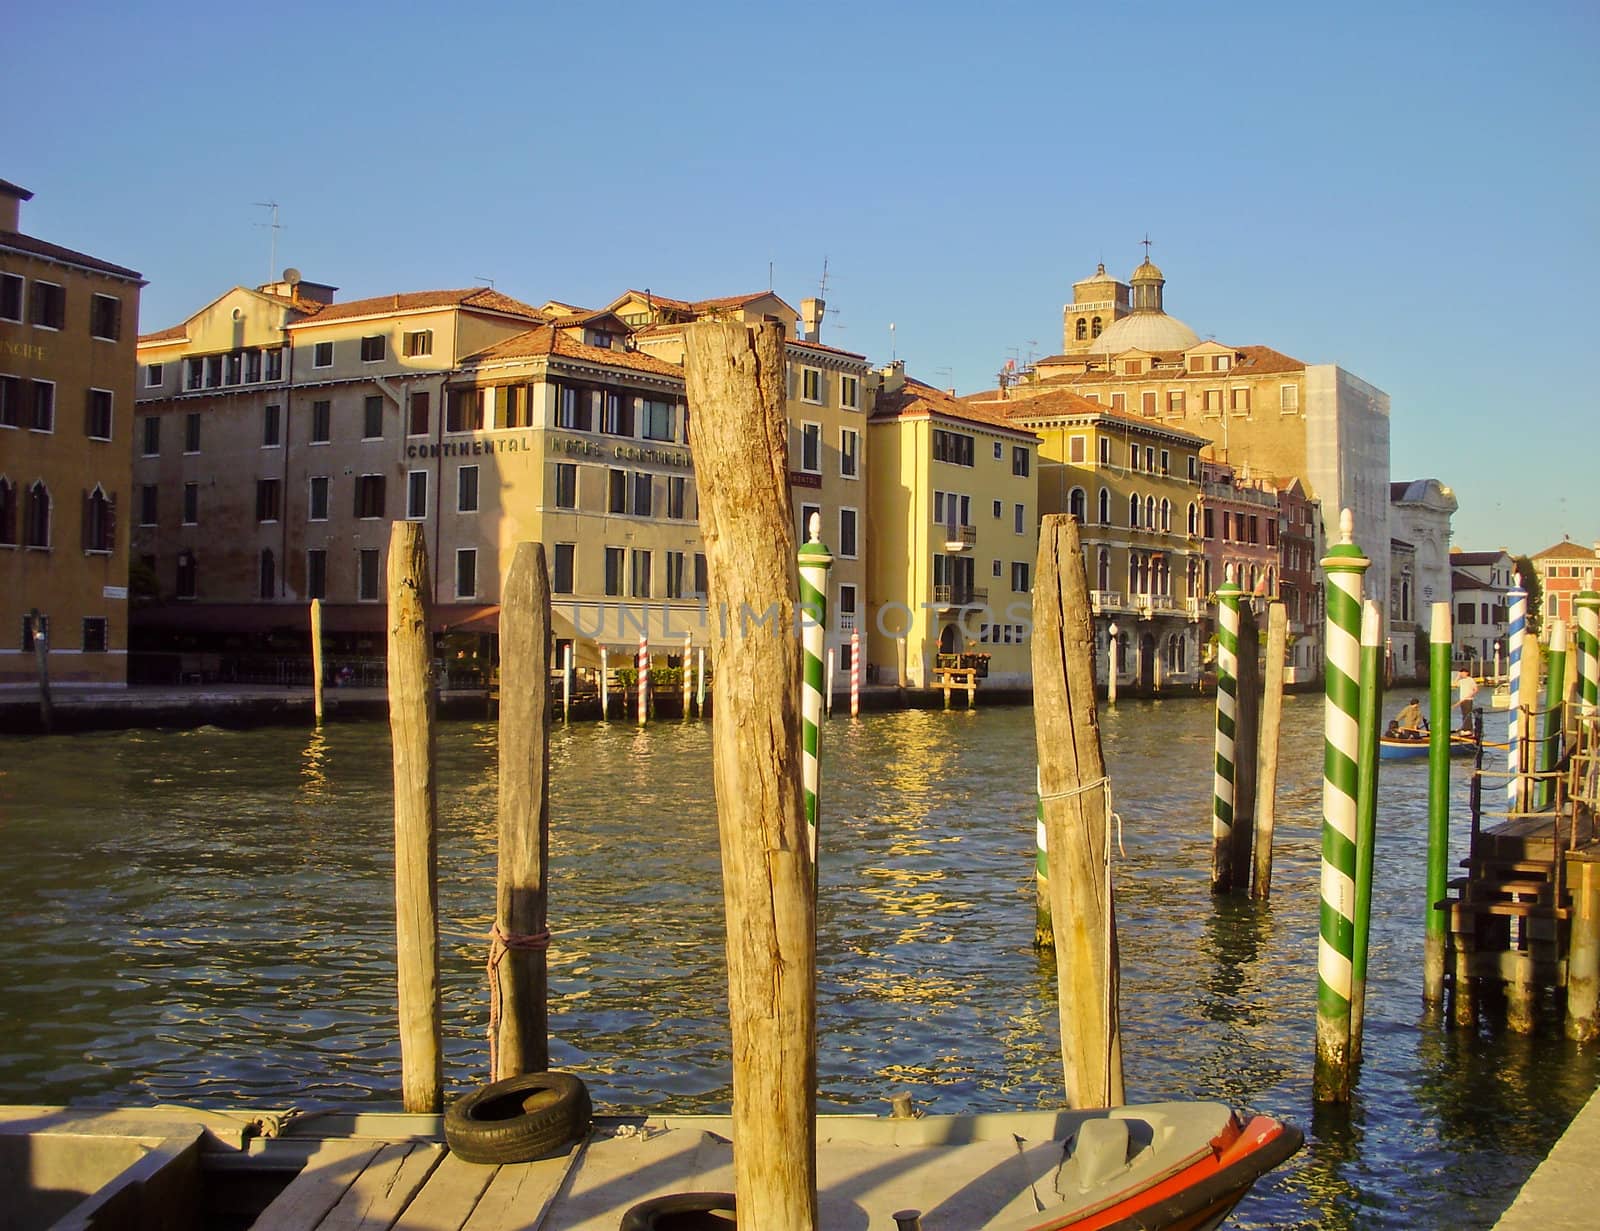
(206, 916)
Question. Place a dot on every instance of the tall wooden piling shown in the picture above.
(1077, 815)
(1368, 716)
(519, 1038)
(1246, 748)
(416, 848)
(1435, 936)
(566, 683)
(1271, 723)
(316, 658)
(1225, 756)
(736, 382)
(41, 662)
(1554, 698)
(605, 686)
(1583, 959)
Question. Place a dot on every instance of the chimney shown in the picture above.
(811, 311)
(11, 198)
(894, 376)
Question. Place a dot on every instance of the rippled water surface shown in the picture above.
(206, 917)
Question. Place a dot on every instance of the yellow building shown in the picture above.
(276, 440)
(1134, 487)
(67, 323)
(954, 529)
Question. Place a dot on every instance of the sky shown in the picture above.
(1409, 191)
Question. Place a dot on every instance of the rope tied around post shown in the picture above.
(1112, 817)
(501, 943)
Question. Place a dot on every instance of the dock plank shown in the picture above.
(385, 1187)
(521, 1194)
(321, 1184)
(448, 1198)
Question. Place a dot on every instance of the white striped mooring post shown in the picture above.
(1586, 603)
(1227, 716)
(1344, 566)
(827, 685)
(643, 668)
(605, 687)
(566, 682)
(855, 673)
(815, 561)
(1517, 619)
(683, 673)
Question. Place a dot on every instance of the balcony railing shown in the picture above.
(1105, 600)
(960, 596)
(1162, 602)
(957, 538)
(1193, 608)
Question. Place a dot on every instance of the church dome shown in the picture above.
(1152, 331)
(1148, 273)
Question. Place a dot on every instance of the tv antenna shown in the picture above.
(490, 281)
(893, 354)
(822, 286)
(274, 227)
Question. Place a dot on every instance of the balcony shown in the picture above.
(960, 596)
(1193, 608)
(1162, 603)
(959, 538)
(1105, 600)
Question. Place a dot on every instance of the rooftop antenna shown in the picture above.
(822, 287)
(769, 275)
(893, 354)
(485, 278)
(272, 260)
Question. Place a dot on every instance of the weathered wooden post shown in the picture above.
(736, 382)
(1435, 938)
(1344, 565)
(316, 658)
(566, 683)
(1246, 747)
(416, 847)
(41, 660)
(518, 994)
(1369, 714)
(1530, 671)
(1271, 723)
(1077, 813)
(1223, 763)
(1583, 959)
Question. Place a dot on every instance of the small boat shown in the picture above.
(1174, 1166)
(1400, 748)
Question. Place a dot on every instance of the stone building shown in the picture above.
(1479, 581)
(1565, 568)
(1419, 516)
(67, 325)
(1260, 408)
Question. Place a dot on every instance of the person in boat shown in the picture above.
(1467, 688)
(1409, 722)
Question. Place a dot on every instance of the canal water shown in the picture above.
(205, 917)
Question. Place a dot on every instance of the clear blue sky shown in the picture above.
(1407, 190)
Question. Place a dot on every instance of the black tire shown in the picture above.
(682, 1212)
(518, 1120)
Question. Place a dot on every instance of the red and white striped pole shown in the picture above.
(855, 673)
(644, 674)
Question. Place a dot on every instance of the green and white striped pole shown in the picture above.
(1227, 721)
(1344, 565)
(1555, 694)
(1044, 936)
(1587, 605)
(1369, 715)
(815, 561)
(1434, 937)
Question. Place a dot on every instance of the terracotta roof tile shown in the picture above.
(1065, 402)
(916, 400)
(19, 242)
(549, 340)
(1566, 550)
(411, 301)
(832, 350)
(176, 333)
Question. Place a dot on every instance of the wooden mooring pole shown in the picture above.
(1224, 772)
(41, 661)
(1271, 723)
(735, 380)
(1077, 816)
(316, 658)
(1436, 935)
(1246, 748)
(1583, 959)
(416, 847)
(1368, 716)
(518, 999)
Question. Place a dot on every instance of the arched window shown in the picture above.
(36, 518)
(1083, 329)
(99, 520)
(1103, 570)
(1105, 507)
(1096, 332)
(8, 512)
(1194, 519)
(1183, 644)
(1166, 514)
(1149, 512)
(1078, 505)
(269, 574)
(1133, 511)
(1272, 581)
